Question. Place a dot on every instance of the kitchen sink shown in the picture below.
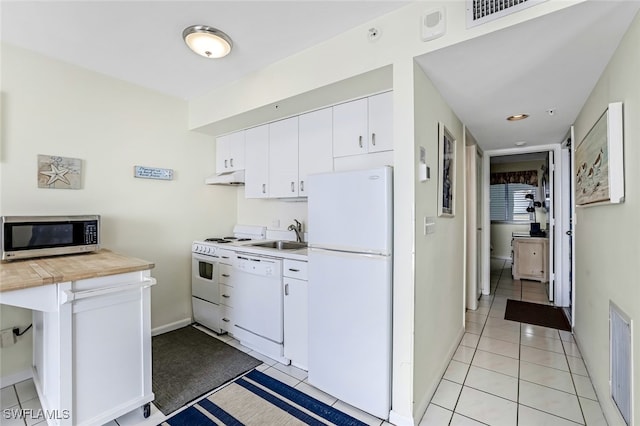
(282, 245)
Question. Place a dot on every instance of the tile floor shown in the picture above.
(510, 373)
(503, 373)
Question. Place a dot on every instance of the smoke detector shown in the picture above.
(374, 34)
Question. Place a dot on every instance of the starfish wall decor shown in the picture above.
(59, 172)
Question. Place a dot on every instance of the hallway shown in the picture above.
(510, 373)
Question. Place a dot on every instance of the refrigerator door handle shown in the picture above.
(347, 252)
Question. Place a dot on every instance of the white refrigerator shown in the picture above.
(350, 286)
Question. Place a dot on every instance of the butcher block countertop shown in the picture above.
(19, 274)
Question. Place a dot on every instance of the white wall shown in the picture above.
(608, 237)
(274, 214)
(50, 107)
(439, 257)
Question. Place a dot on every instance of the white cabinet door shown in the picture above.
(381, 122)
(350, 128)
(283, 158)
(230, 152)
(295, 321)
(315, 146)
(257, 162)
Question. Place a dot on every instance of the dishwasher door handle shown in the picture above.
(68, 296)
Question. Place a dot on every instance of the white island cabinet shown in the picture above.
(91, 335)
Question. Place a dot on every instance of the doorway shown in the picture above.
(548, 193)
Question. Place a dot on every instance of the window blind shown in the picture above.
(508, 202)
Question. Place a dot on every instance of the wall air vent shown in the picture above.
(621, 369)
(482, 11)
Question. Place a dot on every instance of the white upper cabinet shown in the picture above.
(350, 128)
(363, 126)
(256, 174)
(381, 122)
(315, 146)
(230, 152)
(283, 158)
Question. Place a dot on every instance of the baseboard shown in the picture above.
(171, 326)
(14, 378)
(501, 257)
(400, 420)
(423, 404)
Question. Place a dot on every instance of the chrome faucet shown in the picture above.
(297, 228)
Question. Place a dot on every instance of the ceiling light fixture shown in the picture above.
(207, 41)
(517, 117)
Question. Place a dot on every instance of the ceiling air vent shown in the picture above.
(481, 11)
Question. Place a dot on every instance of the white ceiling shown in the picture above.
(552, 62)
(141, 41)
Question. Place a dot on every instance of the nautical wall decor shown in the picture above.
(55, 172)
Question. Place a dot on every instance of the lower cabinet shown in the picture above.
(296, 312)
(530, 258)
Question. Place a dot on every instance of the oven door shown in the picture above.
(204, 278)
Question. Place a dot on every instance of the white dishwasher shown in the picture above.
(258, 311)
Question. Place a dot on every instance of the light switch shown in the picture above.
(429, 225)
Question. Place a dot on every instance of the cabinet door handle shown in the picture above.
(226, 296)
(231, 162)
(293, 187)
(264, 188)
(286, 289)
(225, 257)
(225, 164)
(226, 275)
(301, 186)
(294, 270)
(225, 319)
(373, 139)
(360, 141)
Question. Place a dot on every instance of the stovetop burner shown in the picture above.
(244, 239)
(217, 240)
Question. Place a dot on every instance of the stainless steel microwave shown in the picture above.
(36, 236)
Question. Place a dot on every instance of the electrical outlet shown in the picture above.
(7, 337)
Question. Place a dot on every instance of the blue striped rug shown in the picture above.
(259, 399)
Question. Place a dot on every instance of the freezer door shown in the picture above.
(350, 328)
(352, 210)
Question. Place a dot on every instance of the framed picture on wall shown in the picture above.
(599, 165)
(446, 172)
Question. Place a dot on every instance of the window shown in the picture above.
(508, 202)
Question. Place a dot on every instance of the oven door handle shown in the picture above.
(68, 296)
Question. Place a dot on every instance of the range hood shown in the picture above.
(234, 178)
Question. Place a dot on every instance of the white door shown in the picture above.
(350, 328)
(283, 158)
(350, 128)
(471, 227)
(479, 223)
(256, 173)
(552, 228)
(381, 122)
(351, 210)
(315, 145)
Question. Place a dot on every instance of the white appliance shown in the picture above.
(258, 311)
(350, 286)
(206, 256)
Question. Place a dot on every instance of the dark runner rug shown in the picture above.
(536, 314)
(259, 399)
(188, 363)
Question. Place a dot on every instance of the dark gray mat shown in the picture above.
(187, 363)
(536, 314)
